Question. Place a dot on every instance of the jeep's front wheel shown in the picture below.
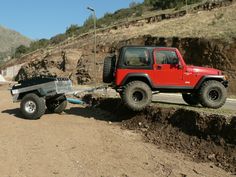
(191, 98)
(213, 94)
(137, 95)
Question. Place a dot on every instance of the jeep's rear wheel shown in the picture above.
(213, 94)
(108, 69)
(190, 98)
(137, 95)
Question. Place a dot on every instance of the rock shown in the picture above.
(211, 156)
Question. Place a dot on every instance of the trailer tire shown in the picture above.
(56, 105)
(32, 106)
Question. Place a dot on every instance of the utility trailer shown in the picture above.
(37, 94)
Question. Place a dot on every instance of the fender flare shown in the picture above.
(139, 76)
(211, 77)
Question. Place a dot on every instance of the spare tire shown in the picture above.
(108, 69)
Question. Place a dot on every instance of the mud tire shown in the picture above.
(137, 95)
(191, 98)
(213, 94)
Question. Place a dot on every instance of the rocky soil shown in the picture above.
(68, 64)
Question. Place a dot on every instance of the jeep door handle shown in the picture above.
(159, 67)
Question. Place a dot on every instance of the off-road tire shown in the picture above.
(36, 103)
(55, 105)
(191, 98)
(213, 94)
(108, 69)
(137, 95)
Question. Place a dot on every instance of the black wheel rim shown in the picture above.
(213, 95)
(138, 96)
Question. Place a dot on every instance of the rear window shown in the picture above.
(136, 57)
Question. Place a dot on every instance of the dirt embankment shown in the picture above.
(202, 136)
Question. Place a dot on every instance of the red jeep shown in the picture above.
(141, 71)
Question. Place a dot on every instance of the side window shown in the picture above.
(136, 57)
(166, 57)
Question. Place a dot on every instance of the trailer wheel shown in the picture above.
(32, 106)
(56, 105)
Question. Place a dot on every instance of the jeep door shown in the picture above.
(167, 72)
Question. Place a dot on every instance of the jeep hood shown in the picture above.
(203, 70)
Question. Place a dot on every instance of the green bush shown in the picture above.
(72, 30)
(21, 50)
(38, 44)
(165, 4)
(58, 39)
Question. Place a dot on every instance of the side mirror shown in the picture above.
(175, 61)
(180, 67)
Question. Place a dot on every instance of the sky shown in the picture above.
(39, 19)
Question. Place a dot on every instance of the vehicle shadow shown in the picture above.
(14, 112)
(175, 104)
(89, 112)
(17, 113)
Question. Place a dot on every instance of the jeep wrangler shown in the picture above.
(141, 71)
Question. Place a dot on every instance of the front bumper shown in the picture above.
(225, 83)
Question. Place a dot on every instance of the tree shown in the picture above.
(22, 49)
(165, 4)
(72, 30)
(58, 39)
(89, 21)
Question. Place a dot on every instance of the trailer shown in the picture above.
(37, 94)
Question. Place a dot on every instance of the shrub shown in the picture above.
(21, 50)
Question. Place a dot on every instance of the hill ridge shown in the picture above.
(10, 40)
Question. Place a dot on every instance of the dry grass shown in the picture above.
(216, 24)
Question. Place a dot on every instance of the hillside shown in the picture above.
(9, 40)
(205, 35)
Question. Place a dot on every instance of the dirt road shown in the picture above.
(177, 99)
(78, 144)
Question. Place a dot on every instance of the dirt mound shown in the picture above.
(202, 136)
(205, 138)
